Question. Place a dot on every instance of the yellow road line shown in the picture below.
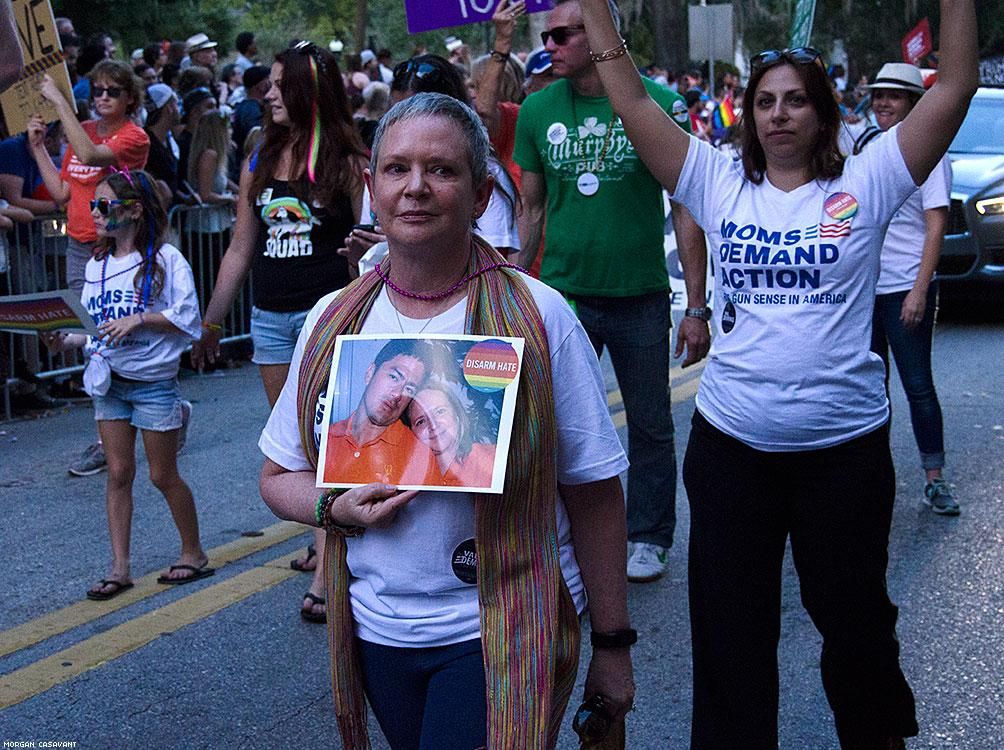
(46, 673)
(82, 612)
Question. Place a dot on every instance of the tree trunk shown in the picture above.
(362, 14)
(669, 28)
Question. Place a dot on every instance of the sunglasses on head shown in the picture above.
(797, 56)
(104, 205)
(409, 69)
(113, 91)
(560, 34)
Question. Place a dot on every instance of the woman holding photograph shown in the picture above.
(440, 421)
(456, 616)
(790, 436)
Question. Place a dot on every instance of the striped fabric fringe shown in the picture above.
(529, 628)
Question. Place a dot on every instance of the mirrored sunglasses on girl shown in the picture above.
(105, 205)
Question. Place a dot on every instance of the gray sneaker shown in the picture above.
(91, 461)
(938, 495)
(647, 562)
(186, 418)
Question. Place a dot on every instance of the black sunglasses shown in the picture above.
(560, 34)
(113, 91)
(104, 205)
(423, 71)
(797, 56)
(592, 721)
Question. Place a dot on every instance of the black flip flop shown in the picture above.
(102, 596)
(308, 614)
(298, 566)
(197, 574)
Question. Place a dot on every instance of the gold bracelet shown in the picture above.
(611, 54)
(212, 326)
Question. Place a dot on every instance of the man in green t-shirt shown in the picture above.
(604, 250)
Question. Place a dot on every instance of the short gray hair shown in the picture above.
(429, 104)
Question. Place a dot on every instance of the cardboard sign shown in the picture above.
(425, 15)
(419, 411)
(917, 43)
(45, 312)
(36, 28)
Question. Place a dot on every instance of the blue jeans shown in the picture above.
(635, 330)
(427, 698)
(911, 347)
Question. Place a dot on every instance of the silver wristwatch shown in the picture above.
(704, 313)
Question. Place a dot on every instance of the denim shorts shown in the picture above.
(152, 406)
(274, 335)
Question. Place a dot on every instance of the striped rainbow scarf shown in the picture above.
(529, 628)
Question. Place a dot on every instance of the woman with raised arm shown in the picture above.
(299, 196)
(790, 435)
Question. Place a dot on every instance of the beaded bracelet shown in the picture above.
(322, 513)
(611, 54)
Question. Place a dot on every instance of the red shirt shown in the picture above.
(395, 457)
(130, 144)
(476, 469)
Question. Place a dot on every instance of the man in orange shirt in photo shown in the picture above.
(371, 444)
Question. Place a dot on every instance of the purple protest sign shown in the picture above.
(425, 15)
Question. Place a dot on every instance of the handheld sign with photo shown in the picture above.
(430, 412)
(45, 312)
(36, 28)
(426, 15)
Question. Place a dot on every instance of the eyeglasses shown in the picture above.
(797, 56)
(113, 91)
(560, 34)
(409, 69)
(104, 205)
(592, 720)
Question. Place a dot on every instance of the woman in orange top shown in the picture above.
(440, 421)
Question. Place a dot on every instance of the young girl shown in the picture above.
(141, 295)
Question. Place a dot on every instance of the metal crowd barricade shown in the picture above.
(191, 230)
(37, 263)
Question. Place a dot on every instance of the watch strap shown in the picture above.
(623, 638)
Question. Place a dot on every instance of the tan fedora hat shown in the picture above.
(199, 42)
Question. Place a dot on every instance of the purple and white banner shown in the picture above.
(425, 15)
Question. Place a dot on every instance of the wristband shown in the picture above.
(502, 57)
(212, 326)
(614, 639)
(704, 313)
(322, 514)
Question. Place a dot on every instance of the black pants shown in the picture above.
(836, 505)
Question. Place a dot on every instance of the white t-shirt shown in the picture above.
(904, 240)
(406, 588)
(146, 354)
(790, 367)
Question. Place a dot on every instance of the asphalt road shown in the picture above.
(227, 663)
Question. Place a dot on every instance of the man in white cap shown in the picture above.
(202, 51)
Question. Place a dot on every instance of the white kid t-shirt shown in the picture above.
(406, 587)
(146, 354)
(904, 240)
(790, 367)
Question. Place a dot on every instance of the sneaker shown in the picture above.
(186, 417)
(647, 562)
(939, 497)
(91, 461)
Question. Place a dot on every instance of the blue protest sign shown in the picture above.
(425, 15)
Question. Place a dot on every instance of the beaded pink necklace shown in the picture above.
(441, 295)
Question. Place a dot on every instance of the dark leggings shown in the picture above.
(427, 698)
(836, 505)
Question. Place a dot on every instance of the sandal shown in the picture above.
(301, 567)
(308, 614)
(101, 596)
